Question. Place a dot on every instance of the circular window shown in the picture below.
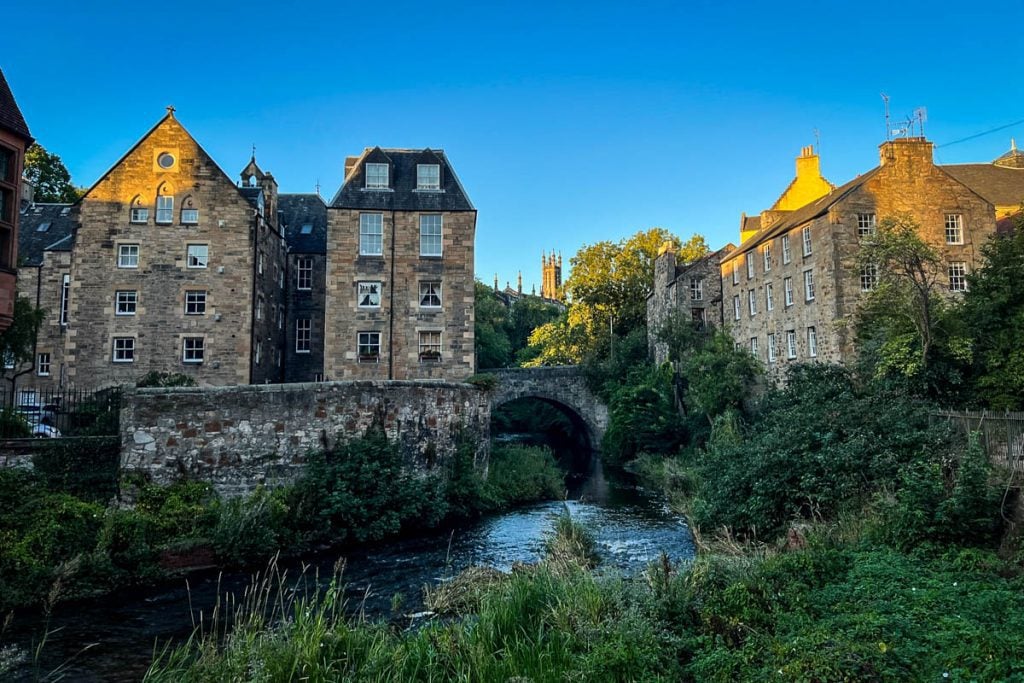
(165, 160)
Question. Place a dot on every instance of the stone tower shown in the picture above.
(551, 278)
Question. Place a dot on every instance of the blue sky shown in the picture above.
(568, 123)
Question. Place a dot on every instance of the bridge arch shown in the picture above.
(562, 386)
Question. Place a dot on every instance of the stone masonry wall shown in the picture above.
(239, 437)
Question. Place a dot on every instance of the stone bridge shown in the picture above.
(562, 386)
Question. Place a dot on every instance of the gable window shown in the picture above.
(195, 302)
(752, 301)
(868, 277)
(430, 347)
(753, 346)
(189, 216)
(128, 256)
(430, 235)
(368, 347)
(790, 344)
(750, 264)
(808, 285)
(430, 295)
(368, 294)
(371, 234)
(377, 176)
(736, 306)
(865, 225)
(787, 254)
(428, 177)
(65, 290)
(696, 289)
(769, 299)
(139, 215)
(43, 365)
(124, 350)
(771, 348)
(954, 228)
(303, 335)
(812, 342)
(193, 349)
(767, 256)
(787, 288)
(164, 209)
(957, 276)
(125, 302)
(806, 234)
(198, 256)
(304, 273)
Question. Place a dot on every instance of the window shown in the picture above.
(280, 318)
(736, 306)
(65, 290)
(164, 209)
(9, 359)
(868, 277)
(165, 160)
(195, 302)
(808, 285)
(280, 276)
(198, 256)
(139, 215)
(806, 233)
(189, 216)
(124, 349)
(696, 289)
(812, 342)
(371, 234)
(259, 263)
(430, 295)
(125, 302)
(753, 346)
(259, 352)
(767, 256)
(368, 294)
(430, 235)
(752, 301)
(790, 344)
(303, 335)
(318, 377)
(954, 228)
(377, 176)
(304, 273)
(430, 347)
(428, 177)
(787, 255)
(193, 349)
(306, 229)
(787, 289)
(369, 347)
(259, 307)
(771, 348)
(128, 256)
(957, 276)
(769, 298)
(43, 365)
(865, 225)
(735, 273)
(750, 264)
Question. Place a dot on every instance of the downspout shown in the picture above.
(252, 302)
(391, 305)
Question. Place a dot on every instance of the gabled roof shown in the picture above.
(10, 115)
(56, 236)
(750, 223)
(1001, 185)
(402, 194)
(683, 269)
(297, 210)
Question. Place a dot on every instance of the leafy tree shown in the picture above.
(718, 376)
(17, 342)
(642, 417)
(493, 348)
(50, 177)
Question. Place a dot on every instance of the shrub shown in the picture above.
(522, 474)
(155, 378)
(249, 528)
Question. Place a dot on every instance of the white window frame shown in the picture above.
(735, 272)
(805, 235)
(696, 289)
(259, 262)
(808, 286)
(378, 176)
(787, 253)
(259, 307)
(304, 335)
(196, 355)
(787, 289)
(138, 214)
(203, 262)
(427, 346)
(866, 225)
(769, 297)
(767, 256)
(428, 177)
(812, 342)
(126, 297)
(304, 273)
(752, 302)
(431, 244)
(790, 344)
(428, 289)
(366, 340)
(771, 347)
(189, 216)
(126, 350)
(750, 264)
(259, 351)
(371, 234)
(954, 228)
(43, 364)
(364, 288)
(125, 256)
(65, 292)
(753, 347)
(868, 277)
(736, 306)
(196, 299)
(957, 272)
(164, 209)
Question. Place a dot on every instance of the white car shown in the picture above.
(39, 419)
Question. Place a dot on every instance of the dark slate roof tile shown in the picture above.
(298, 210)
(402, 194)
(10, 114)
(57, 236)
(1001, 185)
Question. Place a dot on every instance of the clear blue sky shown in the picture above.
(567, 123)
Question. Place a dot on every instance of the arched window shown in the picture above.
(138, 212)
(165, 203)
(189, 213)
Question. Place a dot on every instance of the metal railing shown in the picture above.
(1001, 433)
(57, 413)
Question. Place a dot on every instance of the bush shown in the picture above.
(522, 474)
(642, 417)
(86, 468)
(249, 529)
(155, 378)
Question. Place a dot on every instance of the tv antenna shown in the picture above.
(888, 127)
(921, 115)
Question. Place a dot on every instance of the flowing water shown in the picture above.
(113, 638)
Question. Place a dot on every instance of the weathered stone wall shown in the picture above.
(42, 285)
(239, 437)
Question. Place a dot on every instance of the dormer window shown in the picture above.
(164, 209)
(377, 176)
(428, 176)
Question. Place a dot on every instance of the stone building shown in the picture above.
(400, 288)
(791, 287)
(551, 276)
(304, 220)
(15, 139)
(693, 288)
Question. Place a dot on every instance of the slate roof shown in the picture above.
(750, 223)
(1001, 185)
(10, 116)
(402, 194)
(297, 210)
(32, 243)
(251, 194)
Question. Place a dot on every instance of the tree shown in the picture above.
(493, 349)
(50, 177)
(18, 342)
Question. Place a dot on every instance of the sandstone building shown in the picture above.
(15, 139)
(551, 276)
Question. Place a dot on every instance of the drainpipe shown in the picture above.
(391, 305)
(252, 301)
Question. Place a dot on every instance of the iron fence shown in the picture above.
(1001, 433)
(56, 413)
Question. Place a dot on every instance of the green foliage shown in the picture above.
(493, 348)
(522, 474)
(643, 417)
(85, 468)
(13, 424)
(181, 510)
(155, 378)
(17, 342)
(718, 377)
(50, 177)
(483, 381)
(249, 529)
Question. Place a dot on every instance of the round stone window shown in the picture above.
(165, 160)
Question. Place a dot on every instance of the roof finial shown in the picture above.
(254, 151)
(317, 187)
(170, 110)
(1013, 145)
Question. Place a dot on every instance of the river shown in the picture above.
(113, 638)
